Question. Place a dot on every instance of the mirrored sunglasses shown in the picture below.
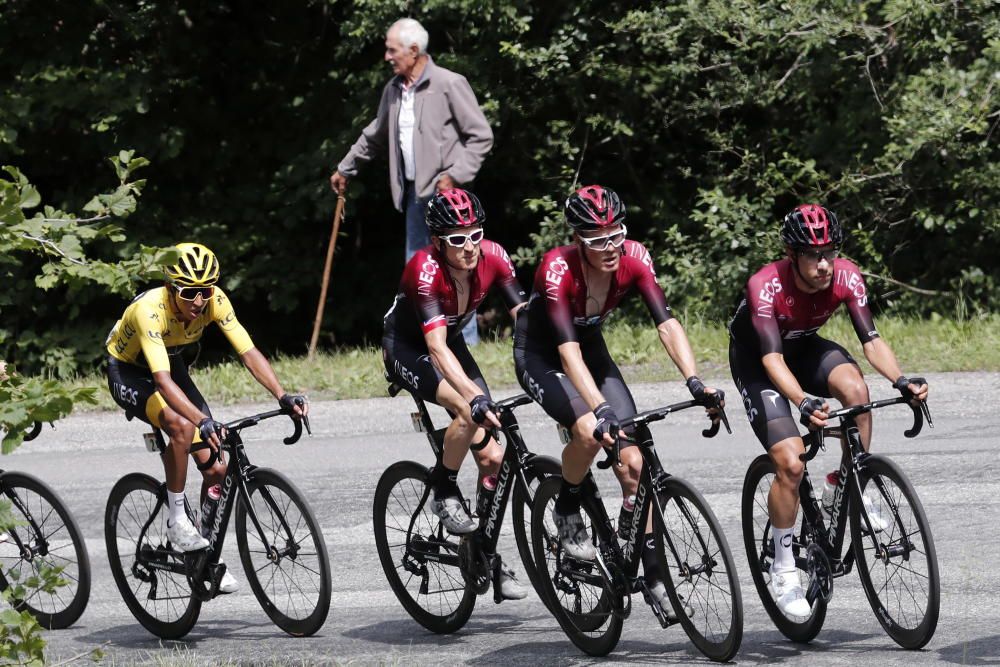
(604, 242)
(192, 293)
(458, 240)
(816, 255)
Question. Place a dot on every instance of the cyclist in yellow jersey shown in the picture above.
(149, 379)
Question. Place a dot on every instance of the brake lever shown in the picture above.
(614, 455)
(305, 422)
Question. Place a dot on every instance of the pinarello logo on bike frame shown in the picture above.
(461, 205)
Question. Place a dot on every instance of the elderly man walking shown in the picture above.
(432, 128)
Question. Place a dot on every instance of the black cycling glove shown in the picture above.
(902, 384)
(696, 387)
(481, 405)
(807, 407)
(607, 422)
(208, 426)
(287, 402)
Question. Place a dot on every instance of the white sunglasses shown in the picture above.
(600, 243)
(458, 240)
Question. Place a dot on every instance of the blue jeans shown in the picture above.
(418, 237)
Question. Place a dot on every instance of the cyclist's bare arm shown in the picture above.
(263, 372)
(675, 341)
(881, 357)
(445, 361)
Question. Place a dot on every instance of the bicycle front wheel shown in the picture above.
(578, 593)
(757, 541)
(898, 563)
(283, 554)
(47, 539)
(537, 471)
(701, 575)
(418, 556)
(150, 575)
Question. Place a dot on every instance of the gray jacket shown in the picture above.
(451, 135)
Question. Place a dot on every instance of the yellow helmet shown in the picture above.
(196, 266)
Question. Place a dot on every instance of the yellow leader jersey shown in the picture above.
(149, 327)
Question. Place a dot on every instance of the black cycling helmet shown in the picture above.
(811, 225)
(593, 207)
(454, 208)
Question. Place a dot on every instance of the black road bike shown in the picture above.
(591, 599)
(437, 576)
(45, 537)
(280, 543)
(896, 559)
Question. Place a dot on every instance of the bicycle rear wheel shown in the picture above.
(538, 470)
(47, 539)
(578, 593)
(760, 553)
(285, 561)
(418, 556)
(150, 575)
(897, 565)
(701, 574)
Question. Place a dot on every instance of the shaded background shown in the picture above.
(711, 119)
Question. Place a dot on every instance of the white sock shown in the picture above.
(176, 503)
(784, 559)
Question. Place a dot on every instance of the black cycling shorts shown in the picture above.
(409, 365)
(810, 359)
(540, 373)
(134, 390)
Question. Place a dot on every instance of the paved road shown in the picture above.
(954, 467)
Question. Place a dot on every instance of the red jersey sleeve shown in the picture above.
(851, 290)
(503, 273)
(557, 287)
(645, 281)
(421, 284)
(762, 290)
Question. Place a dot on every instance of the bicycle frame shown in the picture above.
(626, 559)
(239, 474)
(515, 458)
(852, 463)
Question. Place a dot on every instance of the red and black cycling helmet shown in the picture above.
(454, 208)
(593, 207)
(811, 225)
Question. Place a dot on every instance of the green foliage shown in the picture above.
(48, 251)
(24, 401)
(712, 118)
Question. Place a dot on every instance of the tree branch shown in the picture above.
(795, 66)
(52, 246)
(912, 288)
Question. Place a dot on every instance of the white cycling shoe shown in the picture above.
(510, 587)
(788, 595)
(184, 536)
(879, 522)
(229, 583)
(659, 594)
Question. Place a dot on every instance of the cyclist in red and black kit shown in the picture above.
(424, 350)
(776, 354)
(562, 360)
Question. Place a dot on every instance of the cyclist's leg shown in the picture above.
(540, 374)
(181, 377)
(487, 451)
(771, 419)
(612, 386)
(408, 363)
(827, 369)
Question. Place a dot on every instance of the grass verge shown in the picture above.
(922, 345)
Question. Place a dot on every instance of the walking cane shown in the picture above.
(338, 215)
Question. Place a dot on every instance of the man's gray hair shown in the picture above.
(410, 32)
